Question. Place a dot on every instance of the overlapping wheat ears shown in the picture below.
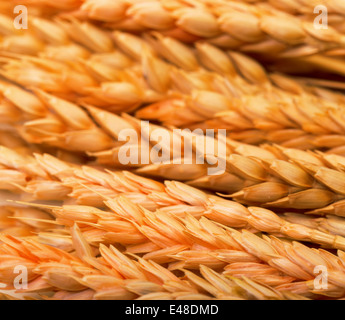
(87, 226)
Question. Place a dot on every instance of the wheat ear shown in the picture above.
(249, 27)
(124, 84)
(113, 275)
(217, 208)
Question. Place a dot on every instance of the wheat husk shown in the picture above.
(95, 233)
(154, 82)
(223, 211)
(274, 29)
(115, 276)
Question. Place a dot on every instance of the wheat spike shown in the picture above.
(266, 29)
(197, 247)
(117, 265)
(223, 211)
(249, 27)
(21, 221)
(113, 276)
(291, 176)
(88, 223)
(300, 126)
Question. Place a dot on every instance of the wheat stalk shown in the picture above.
(217, 209)
(260, 28)
(72, 133)
(271, 250)
(47, 7)
(158, 255)
(150, 235)
(226, 23)
(300, 128)
(32, 168)
(303, 7)
(267, 29)
(291, 176)
(114, 275)
(49, 122)
(270, 175)
(170, 224)
(116, 11)
(215, 248)
(24, 221)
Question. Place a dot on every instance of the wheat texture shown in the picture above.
(88, 226)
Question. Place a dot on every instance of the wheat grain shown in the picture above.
(24, 221)
(144, 233)
(262, 29)
(227, 23)
(265, 29)
(76, 141)
(174, 194)
(201, 232)
(257, 220)
(108, 94)
(291, 184)
(114, 276)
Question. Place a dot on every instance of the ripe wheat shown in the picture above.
(87, 69)
(113, 275)
(268, 28)
(293, 114)
(176, 196)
